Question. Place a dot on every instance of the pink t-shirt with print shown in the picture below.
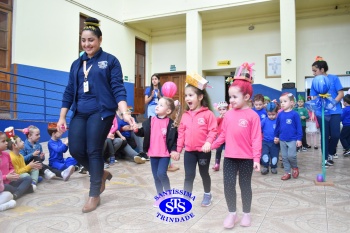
(158, 146)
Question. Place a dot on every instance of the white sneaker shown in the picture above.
(34, 187)
(49, 174)
(67, 172)
(8, 205)
(335, 156)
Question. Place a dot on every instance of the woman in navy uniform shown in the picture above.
(94, 92)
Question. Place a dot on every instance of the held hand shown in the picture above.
(12, 176)
(206, 147)
(128, 118)
(276, 140)
(175, 155)
(35, 165)
(256, 166)
(299, 143)
(61, 125)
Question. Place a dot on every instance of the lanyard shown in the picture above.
(86, 72)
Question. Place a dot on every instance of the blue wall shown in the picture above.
(30, 101)
(44, 135)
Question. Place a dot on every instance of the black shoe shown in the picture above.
(316, 147)
(82, 170)
(144, 156)
(264, 170)
(308, 146)
(347, 153)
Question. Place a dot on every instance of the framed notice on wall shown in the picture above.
(273, 65)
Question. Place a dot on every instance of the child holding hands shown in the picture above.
(241, 132)
(222, 108)
(196, 132)
(160, 137)
(288, 134)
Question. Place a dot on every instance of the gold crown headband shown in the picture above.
(89, 28)
(92, 24)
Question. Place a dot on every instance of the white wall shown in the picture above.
(328, 37)
(47, 35)
(168, 50)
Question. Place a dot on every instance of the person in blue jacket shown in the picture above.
(333, 117)
(94, 92)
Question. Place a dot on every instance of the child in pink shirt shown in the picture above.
(241, 132)
(222, 108)
(197, 130)
(160, 137)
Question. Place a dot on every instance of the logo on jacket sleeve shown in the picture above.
(102, 64)
(201, 121)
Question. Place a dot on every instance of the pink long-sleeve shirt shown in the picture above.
(195, 129)
(241, 131)
(6, 166)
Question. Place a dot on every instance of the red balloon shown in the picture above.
(169, 89)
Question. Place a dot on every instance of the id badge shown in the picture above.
(86, 86)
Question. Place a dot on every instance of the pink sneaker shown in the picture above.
(246, 220)
(216, 167)
(230, 220)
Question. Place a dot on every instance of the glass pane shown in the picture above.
(3, 21)
(3, 58)
(3, 40)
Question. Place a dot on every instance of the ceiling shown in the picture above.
(244, 14)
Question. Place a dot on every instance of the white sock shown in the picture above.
(233, 212)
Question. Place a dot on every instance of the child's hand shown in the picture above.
(12, 176)
(42, 155)
(206, 147)
(175, 155)
(303, 117)
(123, 138)
(35, 165)
(256, 166)
(110, 135)
(65, 141)
(36, 153)
(299, 144)
(276, 140)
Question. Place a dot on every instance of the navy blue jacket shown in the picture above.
(106, 76)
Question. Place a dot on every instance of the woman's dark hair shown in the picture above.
(321, 64)
(346, 98)
(92, 24)
(205, 102)
(159, 86)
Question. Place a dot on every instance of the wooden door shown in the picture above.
(5, 54)
(179, 80)
(139, 87)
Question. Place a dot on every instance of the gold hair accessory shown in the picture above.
(196, 80)
(89, 28)
(92, 24)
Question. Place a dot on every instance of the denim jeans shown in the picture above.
(159, 167)
(19, 187)
(270, 152)
(86, 137)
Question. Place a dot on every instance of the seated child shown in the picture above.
(6, 198)
(33, 151)
(13, 183)
(56, 149)
(15, 144)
